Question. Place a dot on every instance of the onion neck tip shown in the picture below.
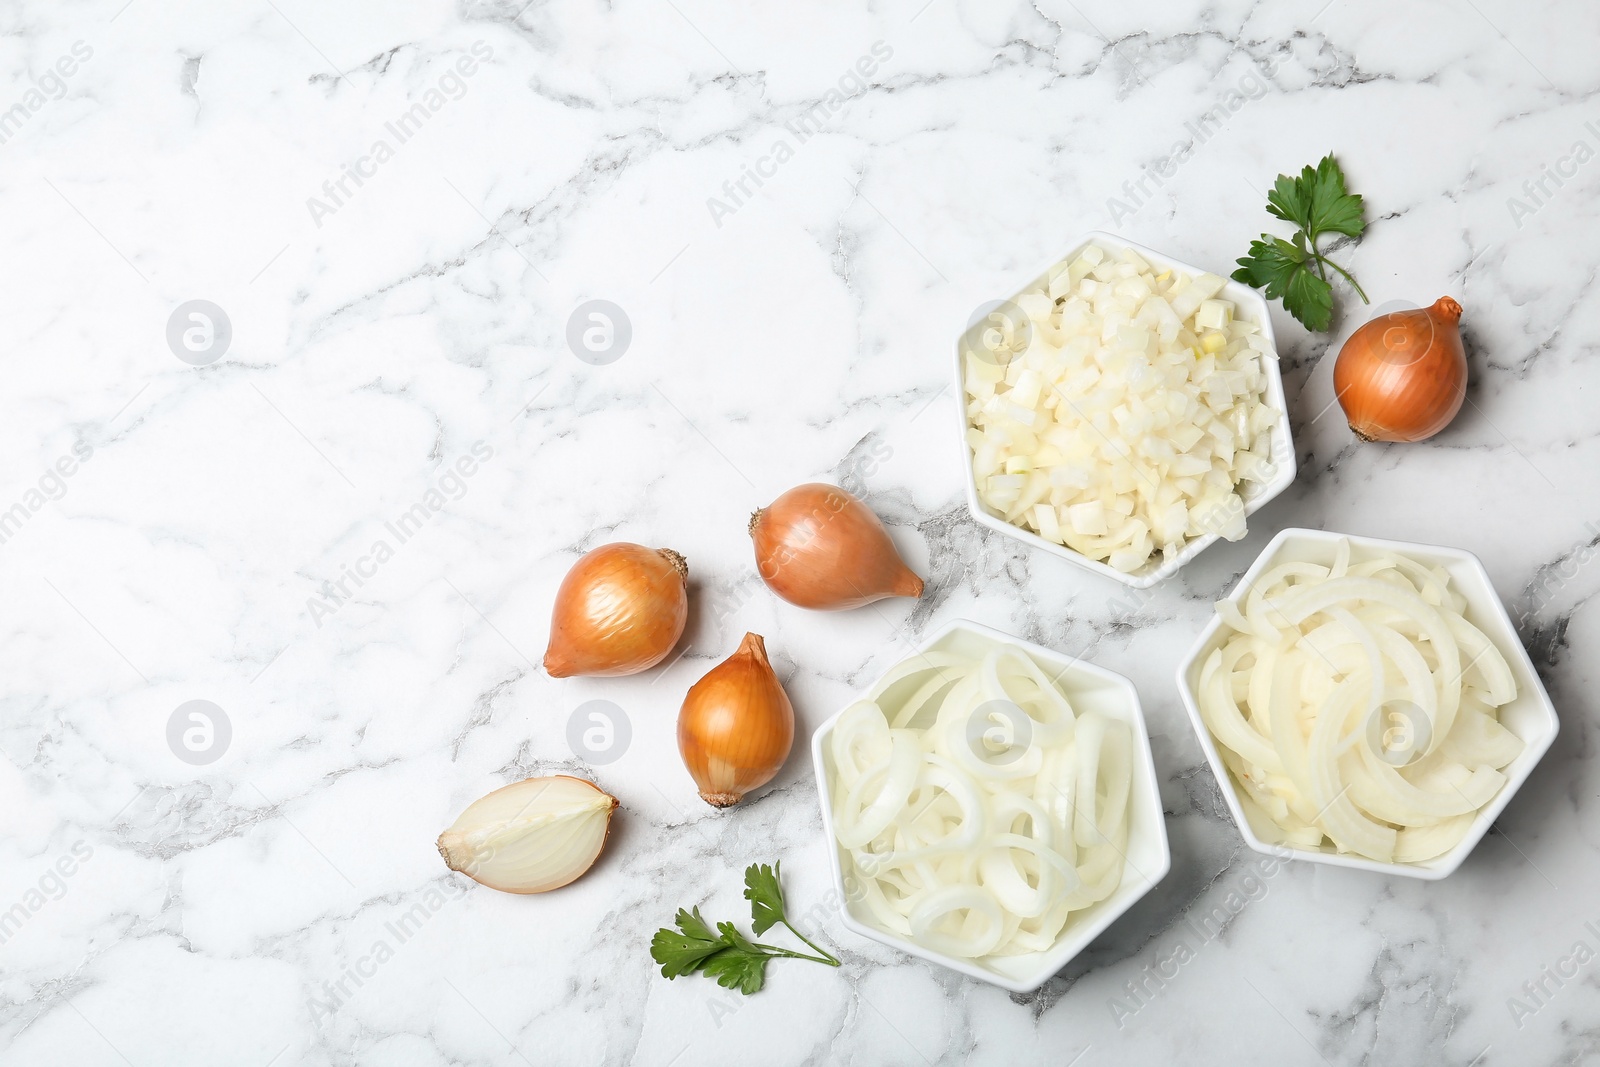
(1448, 307)
(679, 564)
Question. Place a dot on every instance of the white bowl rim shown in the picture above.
(1065, 949)
(1430, 870)
(1282, 436)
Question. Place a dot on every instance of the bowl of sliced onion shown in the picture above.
(1123, 411)
(1366, 703)
(990, 805)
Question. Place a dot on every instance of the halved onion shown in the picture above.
(531, 836)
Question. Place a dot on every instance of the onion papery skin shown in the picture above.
(1403, 376)
(736, 726)
(819, 547)
(619, 610)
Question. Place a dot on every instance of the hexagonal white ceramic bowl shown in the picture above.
(1531, 716)
(1090, 688)
(1251, 308)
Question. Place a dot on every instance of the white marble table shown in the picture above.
(399, 207)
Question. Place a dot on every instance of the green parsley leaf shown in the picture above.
(1332, 209)
(1286, 272)
(1290, 199)
(694, 926)
(1309, 299)
(1316, 201)
(1270, 264)
(1296, 272)
(741, 966)
(738, 970)
(761, 889)
(684, 952)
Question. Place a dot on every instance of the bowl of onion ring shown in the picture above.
(990, 805)
(1366, 703)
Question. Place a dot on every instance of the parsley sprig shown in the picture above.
(1296, 271)
(727, 955)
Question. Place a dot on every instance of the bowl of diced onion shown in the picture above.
(990, 805)
(1123, 411)
(1366, 703)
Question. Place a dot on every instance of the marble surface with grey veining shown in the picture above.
(400, 211)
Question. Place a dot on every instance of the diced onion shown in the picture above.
(1357, 706)
(1126, 417)
(965, 847)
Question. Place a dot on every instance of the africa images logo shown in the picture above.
(455, 481)
(737, 192)
(451, 85)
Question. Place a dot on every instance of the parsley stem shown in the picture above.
(1347, 276)
(834, 960)
(774, 950)
(1317, 258)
